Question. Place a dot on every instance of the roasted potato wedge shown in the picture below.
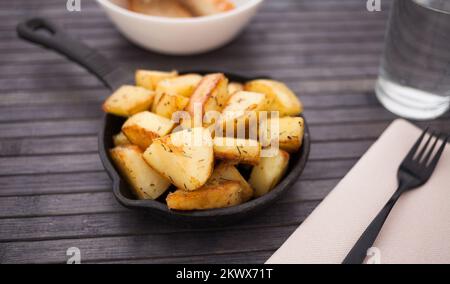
(270, 170)
(128, 100)
(142, 128)
(145, 182)
(220, 195)
(239, 109)
(211, 94)
(234, 87)
(120, 139)
(237, 150)
(149, 79)
(185, 157)
(168, 104)
(225, 172)
(281, 97)
(183, 85)
(290, 133)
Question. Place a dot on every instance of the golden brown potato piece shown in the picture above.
(149, 79)
(145, 182)
(240, 108)
(281, 97)
(185, 157)
(183, 85)
(225, 172)
(237, 150)
(290, 133)
(142, 128)
(234, 87)
(208, 7)
(270, 170)
(208, 197)
(168, 104)
(161, 8)
(211, 94)
(128, 100)
(120, 139)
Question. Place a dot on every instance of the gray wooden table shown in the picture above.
(54, 193)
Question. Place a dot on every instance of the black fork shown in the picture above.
(415, 170)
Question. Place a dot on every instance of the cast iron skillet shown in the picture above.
(43, 32)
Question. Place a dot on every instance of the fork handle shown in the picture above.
(359, 251)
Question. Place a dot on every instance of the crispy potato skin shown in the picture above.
(241, 108)
(237, 150)
(290, 133)
(185, 164)
(120, 139)
(266, 175)
(142, 128)
(209, 197)
(183, 85)
(282, 98)
(149, 79)
(211, 94)
(234, 87)
(144, 181)
(169, 104)
(226, 171)
(128, 100)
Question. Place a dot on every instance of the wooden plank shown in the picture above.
(41, 146)
(252, 62)
(261, 36)
(55, 205)
(55, 183)
(53, 164)
(367, 130)
(296, 13)
(117, 49)
(44, 112)
(134, 223)
(103, 201)
(236, 258)
(146, 246)
(50, 128)
(87, 27)
(32, 97)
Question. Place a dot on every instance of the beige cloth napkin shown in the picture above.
(417, 229)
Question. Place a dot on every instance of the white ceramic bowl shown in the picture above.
(180, 36)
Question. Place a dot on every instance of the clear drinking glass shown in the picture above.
(414, 79)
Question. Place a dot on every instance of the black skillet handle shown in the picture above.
(45, 33)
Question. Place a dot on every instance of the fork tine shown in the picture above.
(424, 148)
(413, 150)
(438, 155)
(430, 152)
